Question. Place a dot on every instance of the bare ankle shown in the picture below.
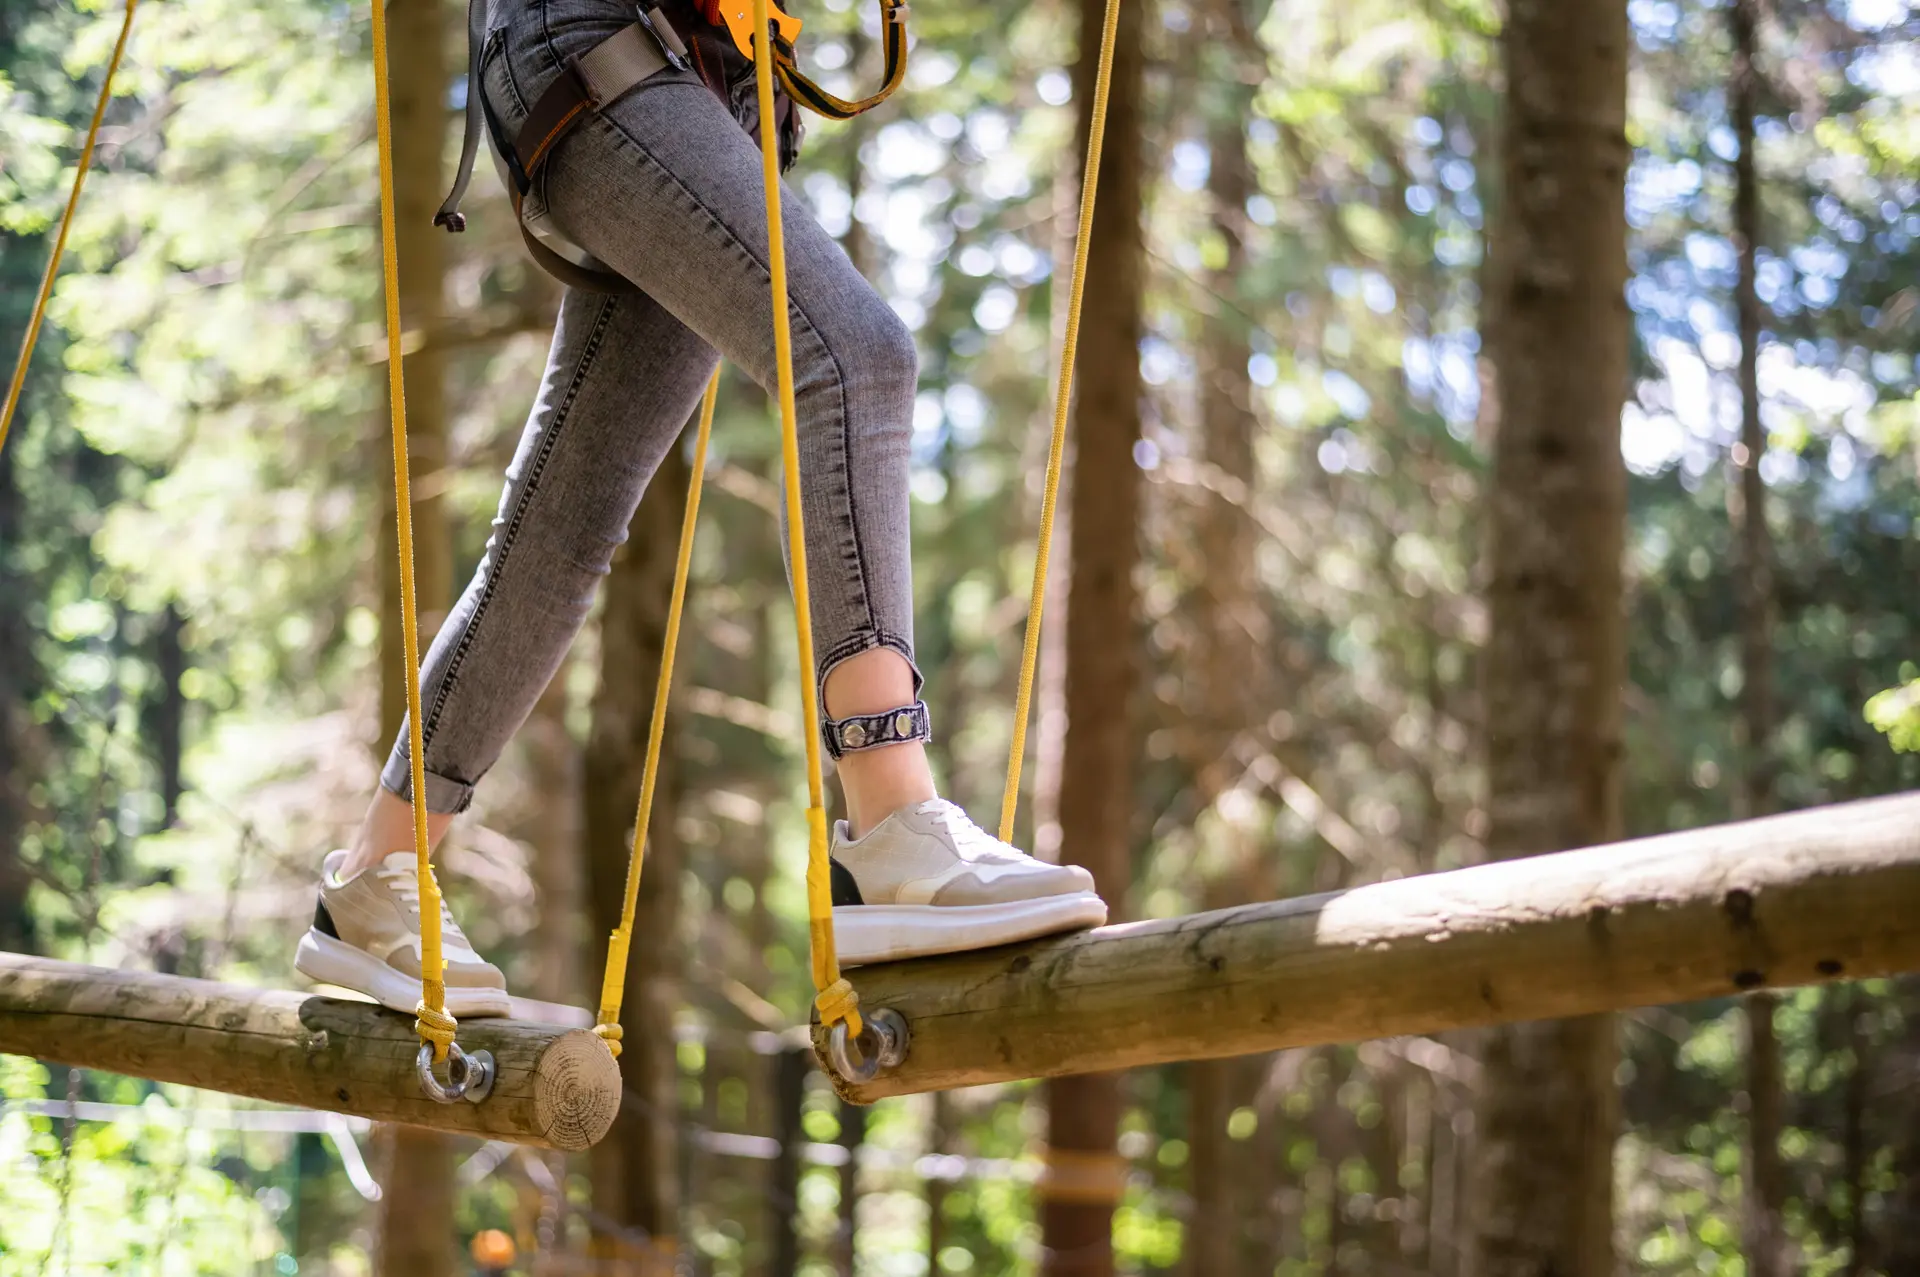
(387, 828)
(879, 782)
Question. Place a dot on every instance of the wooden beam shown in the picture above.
(557, 1086)
(1832, 893)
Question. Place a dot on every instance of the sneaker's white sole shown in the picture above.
(321, 957)
(887, 933)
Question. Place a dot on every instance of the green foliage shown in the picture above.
(1896, 711)
(132, 1196)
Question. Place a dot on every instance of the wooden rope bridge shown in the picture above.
(1831, 893)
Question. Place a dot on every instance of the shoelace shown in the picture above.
(972, 843)
(407, 886)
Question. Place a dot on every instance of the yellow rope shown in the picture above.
(835, 998)
(1056, 451)
(613, 985)
(66, 223)
(431, 1019)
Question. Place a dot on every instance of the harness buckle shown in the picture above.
(665, 36)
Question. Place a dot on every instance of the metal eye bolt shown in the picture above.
(469, 1077)
(882, 1044)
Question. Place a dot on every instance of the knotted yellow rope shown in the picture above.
(1063, 396)
(613, 985)
(19, 381)
(431, 1020)
(835, 998)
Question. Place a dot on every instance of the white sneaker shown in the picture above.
(366, 937)
(928, 880)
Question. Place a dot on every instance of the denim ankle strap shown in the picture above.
(871, 731)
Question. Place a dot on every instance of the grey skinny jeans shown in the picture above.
(665, 188)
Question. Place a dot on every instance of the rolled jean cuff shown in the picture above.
(445, 795)
(867, 641)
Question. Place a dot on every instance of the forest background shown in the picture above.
(1291, 672)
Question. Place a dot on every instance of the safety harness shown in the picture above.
(711, 38)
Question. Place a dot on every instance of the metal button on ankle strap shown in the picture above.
(854, 737)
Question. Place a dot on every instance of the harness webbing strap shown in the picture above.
(736, 16)
(625, 59)
(449, 215)
(596, 79)
(27, 343)
(893, 35)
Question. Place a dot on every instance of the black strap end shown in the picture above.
(453, 220)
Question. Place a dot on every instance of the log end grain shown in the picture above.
(576, 1091)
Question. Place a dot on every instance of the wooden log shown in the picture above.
(1820, 895)
(556, 1086)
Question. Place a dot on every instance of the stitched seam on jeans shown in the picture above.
(546, 38)
(846, 451)
(506, 69)
(553, 134)
(839, 373)
(517, 519)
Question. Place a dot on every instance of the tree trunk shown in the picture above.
(1765, 1235)
(1213, 1230)
(552, 828)
(857, 242)
(1416, 1142)
(418, 1178)
(1554, 657)
(417, 34)
(853, 1135)
(939, 1136)
(1084, 1175)
(1227, 622)
(19, 672)
(1443, 1186)
(416, 1206)
(1898, 1251)
(1230, 620)
(635, 1171)
(167, 711)
(783, 1179)
(1853, 1131)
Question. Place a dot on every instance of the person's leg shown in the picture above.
(665, 188)
(621, 381)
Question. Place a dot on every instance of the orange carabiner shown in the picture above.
(738, 15)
